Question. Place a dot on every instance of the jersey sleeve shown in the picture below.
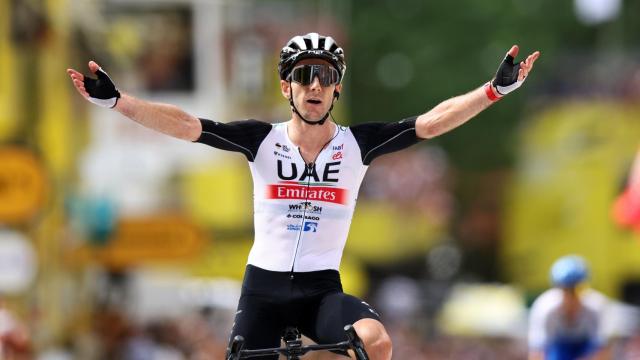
(243, 136)
(599, 305)
(537, 334)
(378, 138)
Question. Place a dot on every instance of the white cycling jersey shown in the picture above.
(302, 212)
(548, 326)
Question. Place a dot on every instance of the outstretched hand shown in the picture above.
(527, 64)
(100, 91)
(510, 75)
(78, 78)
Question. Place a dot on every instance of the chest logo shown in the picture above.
(292, 190)
(284, 148)
(290, 172)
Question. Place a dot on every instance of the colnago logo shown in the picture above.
(307, 217)
(294, 190)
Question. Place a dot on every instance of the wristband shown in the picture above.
(491, 93)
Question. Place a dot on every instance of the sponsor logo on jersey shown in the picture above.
(307, 217)
(295, 190)
(284, 148)
(338, 147)
(308, 226)
(281, 155)
(337, 156)
(305, 206)
(289, 171)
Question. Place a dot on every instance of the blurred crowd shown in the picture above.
(203, 336)
(201, 333)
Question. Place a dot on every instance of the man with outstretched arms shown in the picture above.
(306, 175)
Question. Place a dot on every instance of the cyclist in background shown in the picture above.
(307, 173)
(565, 322)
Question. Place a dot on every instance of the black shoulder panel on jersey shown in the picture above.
(242, 136)
(379, 138)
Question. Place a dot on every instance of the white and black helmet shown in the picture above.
(311, 46)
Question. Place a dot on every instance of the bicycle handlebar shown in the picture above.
(294, 349)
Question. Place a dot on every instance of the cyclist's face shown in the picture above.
(312, 100)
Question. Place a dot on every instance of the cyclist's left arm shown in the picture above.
(454, 112)
(451, 113)
(377, 138)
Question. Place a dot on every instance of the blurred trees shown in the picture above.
(405, 57)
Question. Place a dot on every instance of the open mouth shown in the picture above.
(314, 101)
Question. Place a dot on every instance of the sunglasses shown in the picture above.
(304, 74)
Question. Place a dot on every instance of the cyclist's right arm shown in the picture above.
(165, 118)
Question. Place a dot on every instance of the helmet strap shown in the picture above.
(293, 106)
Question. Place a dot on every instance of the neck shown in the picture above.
(309, 136)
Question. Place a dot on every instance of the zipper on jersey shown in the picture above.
(309, 167)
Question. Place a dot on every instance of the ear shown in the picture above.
(336, 91)
(285, 88)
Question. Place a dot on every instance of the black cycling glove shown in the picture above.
(102, 91)
(506, 79)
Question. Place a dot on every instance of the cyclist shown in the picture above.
(565, 321)
(306, 175)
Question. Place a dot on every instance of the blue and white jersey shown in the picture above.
(561, 338)
(302, 212)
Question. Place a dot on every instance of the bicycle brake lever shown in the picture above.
(356, 343)
(236, 348)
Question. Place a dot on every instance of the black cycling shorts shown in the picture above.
(311, 301)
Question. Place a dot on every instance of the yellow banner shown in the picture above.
(572, 161)
(153, 239)
(8, 91)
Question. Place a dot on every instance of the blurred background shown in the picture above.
(117, 242)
